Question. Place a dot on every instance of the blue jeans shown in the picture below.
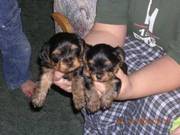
(14, 46)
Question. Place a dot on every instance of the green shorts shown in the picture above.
(175, 124)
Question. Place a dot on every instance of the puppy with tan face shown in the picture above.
(102, 62)
(63, 52)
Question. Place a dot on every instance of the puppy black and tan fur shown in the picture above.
(63, 52)
(102, 62)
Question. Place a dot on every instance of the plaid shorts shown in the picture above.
(152, 115)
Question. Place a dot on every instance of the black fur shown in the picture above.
(60, 41)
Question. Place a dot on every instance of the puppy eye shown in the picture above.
(110, 69)
(91, 66)
(70, 58)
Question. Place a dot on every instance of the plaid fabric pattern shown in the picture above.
(146, 116)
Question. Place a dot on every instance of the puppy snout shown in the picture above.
(68, 61)
(98, 76)
(55, 58)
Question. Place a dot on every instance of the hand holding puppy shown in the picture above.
(64, 84)
(126, 85)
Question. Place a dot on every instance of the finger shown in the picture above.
(64, 84)
(57, 75)
(68, 89)
(100, 88)
(120, 74)
(99, 93)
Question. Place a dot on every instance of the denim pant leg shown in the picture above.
(15, 48)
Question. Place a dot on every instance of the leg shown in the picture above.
(78, 92)
(15, 48)
(118, 119)
(108, 97)
(92, 100)
(176, 131)
(157, 113)
(41, 91)
(154, 114)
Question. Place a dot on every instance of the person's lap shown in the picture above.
(150, 115)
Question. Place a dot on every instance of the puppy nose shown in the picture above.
(54, 58)
(68, 60)
(98, 76)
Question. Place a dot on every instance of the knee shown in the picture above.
(176, 131)
(166, 104)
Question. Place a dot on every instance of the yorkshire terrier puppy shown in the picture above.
(63, 52)
(102, 62)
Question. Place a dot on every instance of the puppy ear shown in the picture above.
(81, 43)
(86, 48)
(44, 55)
(83, 46)
(124, 68)
(120, 53)
(85, 64)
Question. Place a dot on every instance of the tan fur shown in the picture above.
(41, 91)
(108, 96)
(92, 100)
(78, 92)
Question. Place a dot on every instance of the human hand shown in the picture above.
(100, 88)
(126, 86)
(61, 82)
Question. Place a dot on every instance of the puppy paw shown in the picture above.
(93, 102)
(93, 106)
(37, 103)
(107, 99)
(106, 103)
(79, 102)
(38, 99)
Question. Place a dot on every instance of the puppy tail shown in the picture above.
(63, 22)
